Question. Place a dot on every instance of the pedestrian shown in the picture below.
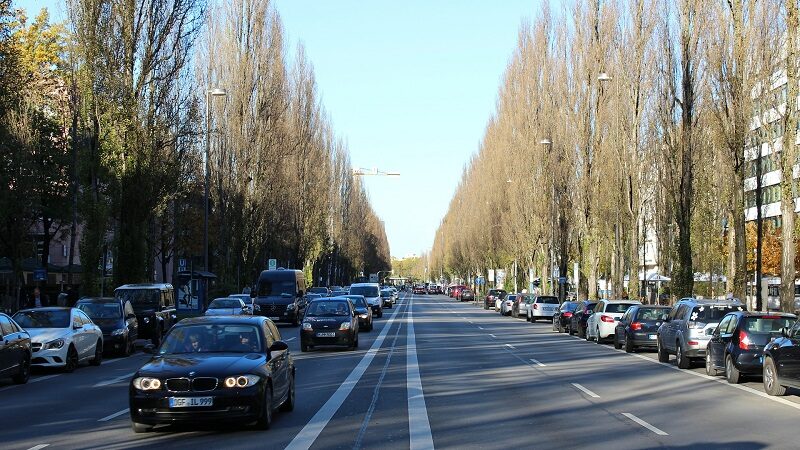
(72, 296)
(38, 299)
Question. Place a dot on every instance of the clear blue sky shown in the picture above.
(410, 86)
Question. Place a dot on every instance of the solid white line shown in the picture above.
(419, 427)
(39, 447)
(586, 391)
(538, 363)
(114, 380)
(511, 346)
(113, 416)
(311, 431)
(645, 424)
(290, 339)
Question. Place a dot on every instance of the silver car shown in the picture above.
(542, 307)
(227, 306)
(688, 328)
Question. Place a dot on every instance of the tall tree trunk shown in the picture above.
(788, 159)
(738, 264)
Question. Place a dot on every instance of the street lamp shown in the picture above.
(210, 93)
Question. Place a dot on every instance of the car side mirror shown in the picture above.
(278, 346)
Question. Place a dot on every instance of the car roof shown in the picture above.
(145, 286)
(764, 313)
(48, 308)
(365, 284)
(235, 320)
(635, 302)
(99, 300)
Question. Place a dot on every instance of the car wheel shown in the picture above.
(617, 343)
(24, 371)
(681, 359)
(265, 419)
(140, 427)
(772, 385)
(586, 334)
(629, 348)
(710, 370)
(72, 360)
(98, 353)
(288, 404)
(663, 356)
(732, 374)
(555, 327)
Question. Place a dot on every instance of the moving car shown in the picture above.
(116, 320)
(579, 319)
(602, 324)
(492, 296)
(737, 344)
(466, 295)
(363, 311)
(563, 316)
(248, 300)
(329, 321)
(325, 292)
(227, 306)
(214, 369)
(154, 305)
(782, 360)
(542, 307)
(15, 351)
(638, 327)
(687, 328)
(61, 337)
(418, 290)
(371, 293)
(280, 295)
(387, 298)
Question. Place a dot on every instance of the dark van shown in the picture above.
(280, 295)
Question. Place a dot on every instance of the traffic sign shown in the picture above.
(182, 264)
(273, 264)
(40, 274)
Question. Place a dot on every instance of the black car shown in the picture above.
(280, 295)
(387, 298)
(15, 351)
(329, 321)
(214, 369)
(577, 323)
(737, 343)
(363, 311)
(494, 294)
(563, 316)
(466, 295)
(116, 320)
(638, 327)
(154, 305)
(782, 361)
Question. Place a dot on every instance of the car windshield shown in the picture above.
(43, 319)
(617, 307)
(358, 301)
(140, 298)
(366, 291)
(548, 300)
(569, 306)
(321, 308)
(267, 288)
(385, 294)
(223, 303)
(653, 314)
(709, 314)
(766, 324)
(97, 310)
(216, 338)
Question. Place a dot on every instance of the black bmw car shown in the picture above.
(329, 321)
(214, 369)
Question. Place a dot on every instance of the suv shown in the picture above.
(371, 293)
(492, 296)
(688, 328)
(154, 306)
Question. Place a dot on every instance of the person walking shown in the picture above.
(38, 299)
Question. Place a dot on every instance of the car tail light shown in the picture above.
(567, 314)
(606, 318)
(636, 326)
(693, 343)
(744, 340)
(535, 306)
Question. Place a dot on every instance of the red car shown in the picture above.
(419, 289)
(455, 291)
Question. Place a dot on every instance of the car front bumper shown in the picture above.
(114, 343)
(229, 405)
(54, 357)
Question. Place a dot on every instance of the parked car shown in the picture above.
(506, 304)
(737, 343)
(248, 300)
(154, 305)
(492, 296)
(638, 327)
(371, 293)
(466, 295)
(542, 307)
(520, 305)
(15, 351)
(329, 321)
(563, 316)
(363, 311)
(214, 369)
(603, 322)
(782, 361)
(579, 319)
(687, 328)
(280, 295)
(116, 319)
(61, 337)
(226, 306)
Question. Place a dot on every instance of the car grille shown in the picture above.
(272, 309)
(199, 384)
(36, 346)
(204, 384)
(178, 384)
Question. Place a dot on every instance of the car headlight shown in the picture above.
(146, 320)
(119, 332)
(241, 381)
(57, 343)
(147, 383)
(344, 326)
(307, 326)
(363, 316)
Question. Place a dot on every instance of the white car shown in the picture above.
(61, 337)
(371, 293)
(542, 307)
(498, 302)
(507, 303)
(227, 306)
(603, 321)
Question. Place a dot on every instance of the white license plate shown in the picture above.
(326, 334)
(274, 318)
(190, 402)
(651, 336)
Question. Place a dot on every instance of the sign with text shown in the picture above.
(272, 264)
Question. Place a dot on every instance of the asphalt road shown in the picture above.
(433, 373)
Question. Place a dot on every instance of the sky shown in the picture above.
(410, 86)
